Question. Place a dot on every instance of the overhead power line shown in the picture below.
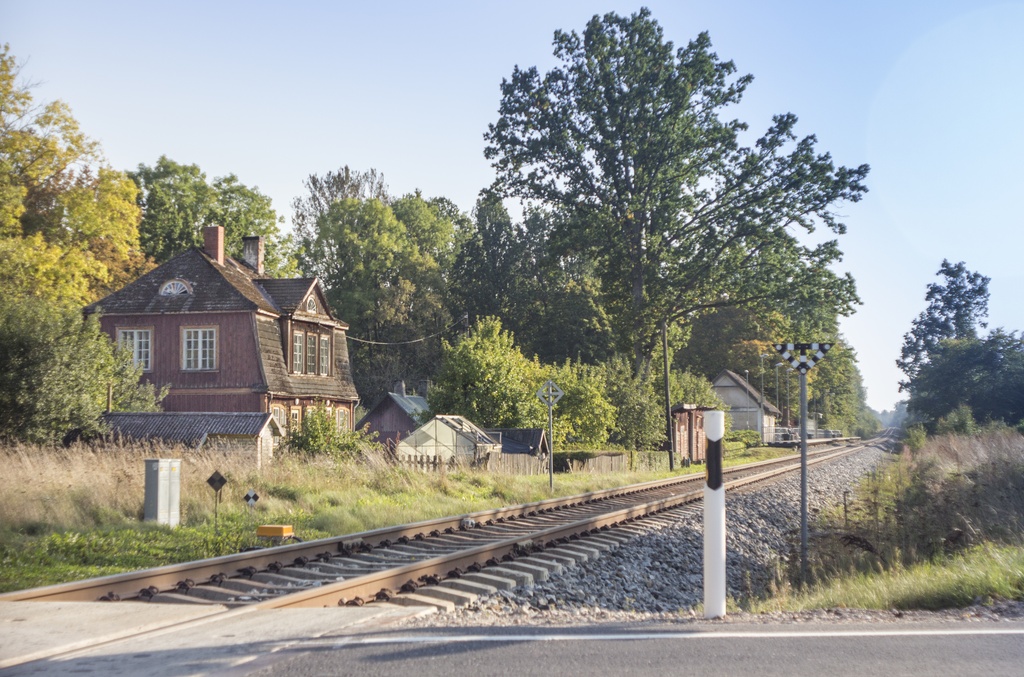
(463, 320)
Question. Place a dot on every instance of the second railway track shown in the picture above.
(380, 564)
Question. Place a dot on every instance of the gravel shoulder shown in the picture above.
(657, 577)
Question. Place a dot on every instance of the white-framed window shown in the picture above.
(310, 353)
(342, 419)
(139, 342)
(199, 348)
(325, 354)
(295, 418)
(277, 412)
(175, 288)
(298, 342)
(311, 305)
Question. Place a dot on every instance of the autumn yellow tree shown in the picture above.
(68, 223)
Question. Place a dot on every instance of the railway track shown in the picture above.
(400, 563)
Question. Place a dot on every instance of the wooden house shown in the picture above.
(746, 406)
(225, 338)
(394, 417)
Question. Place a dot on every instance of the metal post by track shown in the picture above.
(797, 356)
(549, 394)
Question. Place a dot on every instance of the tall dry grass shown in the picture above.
(934, 528)
(85, 486)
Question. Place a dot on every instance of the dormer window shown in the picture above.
(175, 288)
(311, 305)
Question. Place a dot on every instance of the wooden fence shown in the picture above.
(525, 464)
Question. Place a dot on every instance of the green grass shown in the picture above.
(71, 515)
(941, 526)
(980, 574)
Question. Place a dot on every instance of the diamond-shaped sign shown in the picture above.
(252, 497)
(797, 354)
(549, 393)
(217, 481)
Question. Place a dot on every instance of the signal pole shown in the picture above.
(796, 355)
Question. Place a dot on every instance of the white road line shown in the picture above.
(540, 637)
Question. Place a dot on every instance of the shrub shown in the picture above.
(915, 437)
(320, 436)
(749, 438)
(960, 421)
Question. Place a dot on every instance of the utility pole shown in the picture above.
(778, 402)
(761, 394)
(668, 401)
(746, 381)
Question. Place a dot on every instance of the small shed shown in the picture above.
(747, 406)
(394, 417)
(250, 435)
(446, 440)
(691, 442)
(532, 441)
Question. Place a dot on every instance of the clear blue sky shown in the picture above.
(930, 94)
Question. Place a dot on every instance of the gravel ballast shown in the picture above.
(657, 576)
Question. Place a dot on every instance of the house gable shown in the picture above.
(243, 326)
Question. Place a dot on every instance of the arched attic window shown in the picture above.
(175, 288)
(311, 305)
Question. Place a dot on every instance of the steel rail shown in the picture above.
(369, 586)
(167, 578)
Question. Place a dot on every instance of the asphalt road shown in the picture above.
(305, 643)
(598, 651)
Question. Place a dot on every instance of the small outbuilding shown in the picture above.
(249, 435)
(747, 406)
(691, 443)
(445, 440)
(532, 441)
(394, 417)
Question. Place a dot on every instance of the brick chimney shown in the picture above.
(252, 252)
(213, 243)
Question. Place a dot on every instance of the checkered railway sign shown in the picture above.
(797, 354)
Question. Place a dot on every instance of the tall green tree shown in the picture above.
(639, 406)
(334, 186)
(626, 137)
(550, 300)
(55, 367)
(956, 309)
(382, 278)
(486, 271)
(485, 378)
(983, 375)
(584, 416)
(177, 202)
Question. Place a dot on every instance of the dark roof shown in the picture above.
(414, 405)
(410, 405)
(280, 381)
(288, 293)
(521, 440)
(752, 392)
(215, 288)
(190, 428)
(692, 407)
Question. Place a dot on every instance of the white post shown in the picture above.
(714, 518)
